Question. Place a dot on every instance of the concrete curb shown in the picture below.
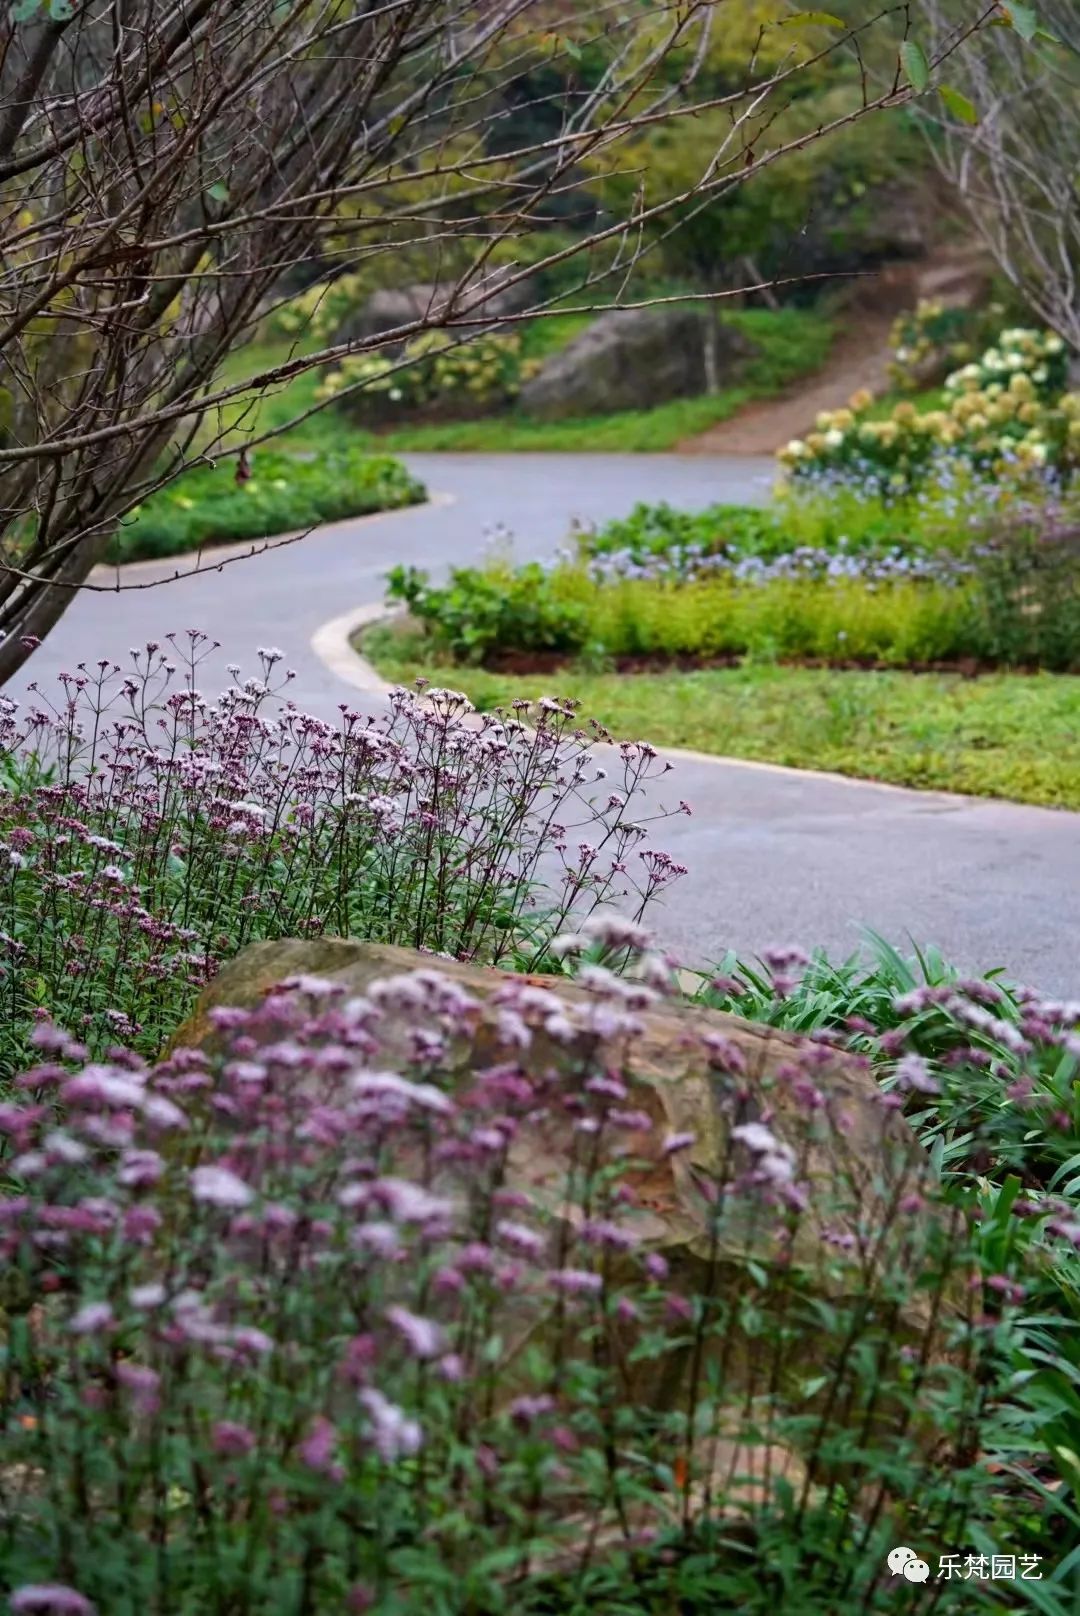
(332, 644)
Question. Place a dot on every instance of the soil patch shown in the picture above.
(526, 664)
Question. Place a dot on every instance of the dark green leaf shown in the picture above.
(915, 65)
(959, 105)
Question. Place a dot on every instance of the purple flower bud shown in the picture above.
(422, 1336)
(679, 1308)
(141, 1223)
(394, 1434)
(219, 1186)
(525, 1241)
(50, 1599)
(525, 1410)
(913, 1076)
(317, 1449)
(232, 1440)
(93, 1318)
(576, 1282)
(139, 1169)
(142, 1383)
(487, 1461)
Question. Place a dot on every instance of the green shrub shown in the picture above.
(1000, 1113)
(284, 493)
(437, 370)
(1028, 581)
(842, 519)
(660, 530)
(319, 310)
(494, 608)
(483, 612)
(824, 577)
(933, 338)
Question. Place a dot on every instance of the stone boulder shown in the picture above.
(630, 359)
(865, 1227)
(856, 1158)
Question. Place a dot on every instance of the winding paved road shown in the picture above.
(774, 855)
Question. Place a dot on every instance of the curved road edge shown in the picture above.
(332, 644)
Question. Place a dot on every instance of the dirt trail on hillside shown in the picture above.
(859, 358)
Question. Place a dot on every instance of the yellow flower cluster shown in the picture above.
(319, 311)
(912, 328)
(998, 418)
(432, 367)
(1019, 352)
(925, 338)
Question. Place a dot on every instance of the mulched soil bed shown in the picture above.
(525, 663)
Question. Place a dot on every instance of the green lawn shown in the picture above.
(1001, 735)
(629, 432)
(792, 342)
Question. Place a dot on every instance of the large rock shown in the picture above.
(630, 359)
(793, 1281)
(696, 1071)
(816, 1304)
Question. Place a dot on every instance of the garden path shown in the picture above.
(859, 358)
(774, 854)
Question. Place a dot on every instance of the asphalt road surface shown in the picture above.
(774, 855)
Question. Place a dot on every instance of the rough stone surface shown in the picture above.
(630, 359)
(855, 1157)
(856, 1161)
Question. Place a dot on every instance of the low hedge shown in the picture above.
(208, 506)
(1005, 608)
(822, 580)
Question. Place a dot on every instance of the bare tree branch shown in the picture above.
(1017, 168)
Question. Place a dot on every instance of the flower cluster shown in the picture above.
(372, 1295)
(434, 369)
(1005, 417)
(934, 337)
(319, 310)
(1039, 355)
(151, 832)
(802, 563)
